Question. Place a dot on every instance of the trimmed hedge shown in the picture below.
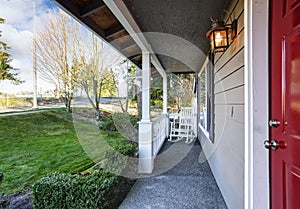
(66, 191)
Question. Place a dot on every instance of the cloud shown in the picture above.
(17, 32)
(20, 41)
(20, 13)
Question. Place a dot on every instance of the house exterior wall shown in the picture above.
(226, 153)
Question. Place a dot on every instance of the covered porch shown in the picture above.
(178, 45)
(164, 37)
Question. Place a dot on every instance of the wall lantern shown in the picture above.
(219, 35)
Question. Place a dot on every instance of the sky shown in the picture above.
(17, 32)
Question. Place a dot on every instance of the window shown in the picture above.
(203, 99)
(206, 98)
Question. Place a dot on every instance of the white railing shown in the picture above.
(160, 131)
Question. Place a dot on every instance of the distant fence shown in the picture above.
(18, 101)
(13, 102)
(23, 101)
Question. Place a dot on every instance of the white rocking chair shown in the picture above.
(182, 126)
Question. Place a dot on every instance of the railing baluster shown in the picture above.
(159, 133)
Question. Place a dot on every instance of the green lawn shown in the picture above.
(33, 145)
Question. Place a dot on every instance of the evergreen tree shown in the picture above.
(7, 72)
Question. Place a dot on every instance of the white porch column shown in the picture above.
(165, 95)
(146, 79)
(146, 161)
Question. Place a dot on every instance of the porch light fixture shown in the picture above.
(219, 35)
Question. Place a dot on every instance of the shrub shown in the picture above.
(124, 148)
(116, 159)
(107, 124)
(66, 191)
(134, 120)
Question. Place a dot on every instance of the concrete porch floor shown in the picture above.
(188, 185)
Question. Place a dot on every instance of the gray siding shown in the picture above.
(226, 154)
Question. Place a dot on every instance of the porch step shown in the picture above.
(188, 185)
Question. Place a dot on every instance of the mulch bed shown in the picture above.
(17, 201)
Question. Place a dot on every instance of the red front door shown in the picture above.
(285, 104)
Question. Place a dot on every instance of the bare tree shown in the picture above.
(97, 77)
(180, 89)
(59, 54)
(127, 82)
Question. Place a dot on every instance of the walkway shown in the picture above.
(188, 185)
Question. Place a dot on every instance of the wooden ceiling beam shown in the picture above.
(91, 24)
(134, 56)
(91, 8)
(71, 8)
(128, 45)
(114, 31)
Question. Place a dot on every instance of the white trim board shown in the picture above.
(121, 12)
(256, 104)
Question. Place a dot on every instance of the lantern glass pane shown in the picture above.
(220, 38)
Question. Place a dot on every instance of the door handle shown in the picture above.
(273, 144)
(274, 123)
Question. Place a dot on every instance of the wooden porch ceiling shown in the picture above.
(98, 18)
(188, 21)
